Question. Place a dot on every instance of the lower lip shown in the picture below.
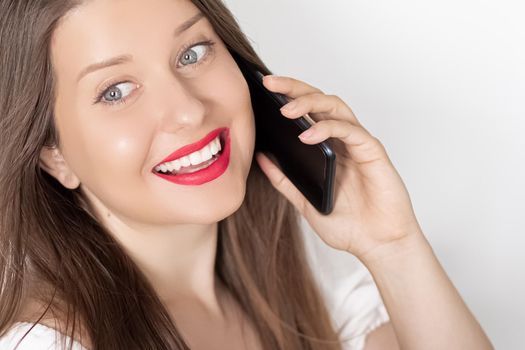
(199, 177)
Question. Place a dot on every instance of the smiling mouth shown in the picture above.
(177, 168)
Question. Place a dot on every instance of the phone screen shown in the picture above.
(311, 168)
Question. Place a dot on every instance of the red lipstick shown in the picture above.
(216, 169)
(189, 149)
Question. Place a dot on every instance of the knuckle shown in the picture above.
(317, 95)
(280, 183)
(334, 110)
(378, 142)
(335, 102)
(337, 99)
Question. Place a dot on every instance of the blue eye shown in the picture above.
(114, 94)
(192, 54)
(111, 94)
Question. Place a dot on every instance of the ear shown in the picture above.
(52, 161)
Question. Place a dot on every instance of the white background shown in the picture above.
(442, 85)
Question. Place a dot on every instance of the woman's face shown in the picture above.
(117, 123)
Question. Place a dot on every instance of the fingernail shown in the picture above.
(271, 77)
(307, 134)
(289, 106)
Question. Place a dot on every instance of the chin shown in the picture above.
(208, 211)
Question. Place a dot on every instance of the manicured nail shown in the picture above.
(289, 106)
(307, 134)
(271, 77)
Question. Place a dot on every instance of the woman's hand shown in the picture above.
(372, 207)
(373, 219)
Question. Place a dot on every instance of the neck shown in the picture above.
(178, 261)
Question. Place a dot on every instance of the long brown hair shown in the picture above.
(55, 252)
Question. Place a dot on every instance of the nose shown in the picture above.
(179, 106)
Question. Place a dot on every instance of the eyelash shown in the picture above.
(208, 43)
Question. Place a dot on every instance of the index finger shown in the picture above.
(288, 86)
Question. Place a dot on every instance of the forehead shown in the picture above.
(100, 29)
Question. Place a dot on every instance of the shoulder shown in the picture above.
(34, 336)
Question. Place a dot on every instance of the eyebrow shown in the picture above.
(126, 58)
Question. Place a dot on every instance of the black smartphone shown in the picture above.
(311, 168)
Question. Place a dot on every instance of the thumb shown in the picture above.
(281, 182)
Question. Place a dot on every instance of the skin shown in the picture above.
(108, 151)
(171, 230)
(373, 219)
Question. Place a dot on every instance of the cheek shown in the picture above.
(111, 161)
(107, 150)
(232, 96)
(121, 152)
(242, 127)
(120, 148)
(247, 129)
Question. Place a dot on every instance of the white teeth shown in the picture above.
(185, 161)
(195, 158)
(176, 164)
(206, 154)
(213, 147)
(173, 165)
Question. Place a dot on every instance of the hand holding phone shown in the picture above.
(311, 168)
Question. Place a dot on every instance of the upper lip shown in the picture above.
(188, 149)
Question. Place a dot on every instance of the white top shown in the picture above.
(39, 338)
(351, 295)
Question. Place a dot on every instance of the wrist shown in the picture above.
(389, 253)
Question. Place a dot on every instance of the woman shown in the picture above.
(99, 243)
